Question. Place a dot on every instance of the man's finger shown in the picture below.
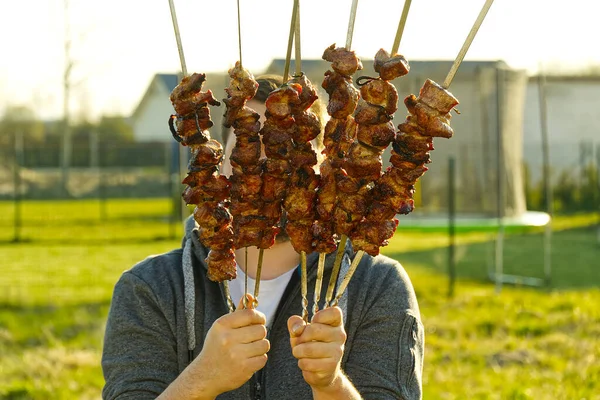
(296, 326)
(318, 350)
(241, 318)
(322, 333)
(249, 334)
(329, 316)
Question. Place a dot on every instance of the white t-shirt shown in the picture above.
(269, 294)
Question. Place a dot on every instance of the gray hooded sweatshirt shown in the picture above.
(164, 306)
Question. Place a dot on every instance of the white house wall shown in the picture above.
(151, 124)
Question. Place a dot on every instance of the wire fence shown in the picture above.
(110, 183)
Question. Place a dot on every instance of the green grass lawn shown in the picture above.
(523, 343)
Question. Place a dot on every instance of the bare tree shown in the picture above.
(67, 142)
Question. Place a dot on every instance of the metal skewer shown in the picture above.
(257, 281)
(245, 301)
(318, 284)
(360, 253)
(459, 58)
(401, 26)
(239, 31)
(288, 56)
(467, 44)
(336, 270)
(230, 304)
(304, 286)
(298, 56)
(178, 37)
(351, 24)
(347, 278)
(342, 244)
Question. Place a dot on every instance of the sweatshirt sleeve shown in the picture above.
(139, 358)
(386, 357)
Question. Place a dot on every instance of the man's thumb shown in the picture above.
(296, 325)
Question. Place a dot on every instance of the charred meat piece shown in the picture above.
(221, 265)
(338, 136)
(378, 136)
(342, 61)
(372, 235)
(390, 67)
(368, 114)
(343, 96)
(300, 233)
(380, 93)
(363, 162)
(207, 154)
(308, 94)
(281, 101)
(246, 150)
(242, 84)
(308, 127)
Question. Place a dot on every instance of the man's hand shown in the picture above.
(235, 348)
(319, 347)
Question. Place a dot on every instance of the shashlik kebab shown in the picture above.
(429, 117)
(379, 101)
(252, 223)
(335, 203)
(206, 188)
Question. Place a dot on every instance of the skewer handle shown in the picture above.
(318, 283)
(304, 286)
(467, 44)
(257, 281)
(178, 38)
(347, 278)
(336, 269)
(230, 304)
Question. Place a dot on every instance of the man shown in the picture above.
(169, 334)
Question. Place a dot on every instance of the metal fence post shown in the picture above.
(451, 226)
(18, 161)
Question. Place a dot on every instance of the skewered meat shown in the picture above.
(369, 114)
(343, 96)
(338, 136)
(308, 95)
(205, 187)
(377, 136)
(281, 101)
(389, 67)
(289, 176)
(375, 132)
(247, 150)
(363, 161)
(393, 192)
(248, 206)
(342, 61)
(380, 93)
(223, 265)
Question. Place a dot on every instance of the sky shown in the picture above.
(118, 45)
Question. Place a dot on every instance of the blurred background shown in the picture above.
(502, 248)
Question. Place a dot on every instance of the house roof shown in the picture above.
(169, 80)
(436, 69)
